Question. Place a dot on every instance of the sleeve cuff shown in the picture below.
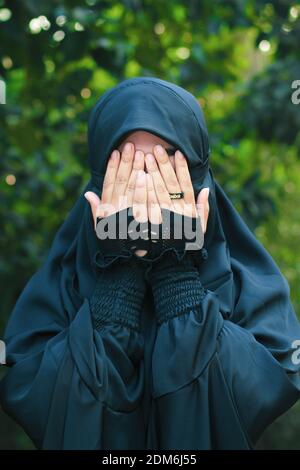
(177, 296)
(118, 294)
(117, 311)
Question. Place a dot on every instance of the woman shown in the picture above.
(151, 345)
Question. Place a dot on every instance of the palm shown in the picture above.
(127, 185)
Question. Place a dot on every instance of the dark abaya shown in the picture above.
(215, 370)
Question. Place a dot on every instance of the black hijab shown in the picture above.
(251, 289)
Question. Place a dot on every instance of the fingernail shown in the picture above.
(127, 147)
(115, 154)
(179, 154)
(159, 149)
(138, 155)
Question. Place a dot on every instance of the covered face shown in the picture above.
(145, 142)
(152, 105)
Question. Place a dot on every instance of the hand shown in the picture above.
(166, 175)
(118, 184)
(120, 188)
(171, 174)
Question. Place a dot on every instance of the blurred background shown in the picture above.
(239, 58)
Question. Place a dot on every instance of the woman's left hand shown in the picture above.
(171, 175)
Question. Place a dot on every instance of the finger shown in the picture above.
(169, 175)
(139, 204)
(110, 177)
(184, 178)
(203, 196)
(203, 207)
(172, 160)
(122, 177)
(138, 164)
(162, 194)
(206, 214)
(206, 210)
(95, 204)
(154, 212)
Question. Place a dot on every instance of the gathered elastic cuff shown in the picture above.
(123, 308)
(177, 296)
(118, 295)
(172, 261)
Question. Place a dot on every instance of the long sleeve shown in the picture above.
(214, 385)
(79, 385)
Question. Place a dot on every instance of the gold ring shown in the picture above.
(176, 195)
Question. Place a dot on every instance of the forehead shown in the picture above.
(144, 137)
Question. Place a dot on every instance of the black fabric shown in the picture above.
(116, 233)
(175, 281)
(126, 287)
(120, 234)
(212, 375)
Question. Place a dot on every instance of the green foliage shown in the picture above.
(57, 58)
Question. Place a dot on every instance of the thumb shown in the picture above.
(202, 207)
(94, 202)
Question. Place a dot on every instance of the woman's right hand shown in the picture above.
(124, 185)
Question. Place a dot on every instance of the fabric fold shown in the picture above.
(215, 370)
